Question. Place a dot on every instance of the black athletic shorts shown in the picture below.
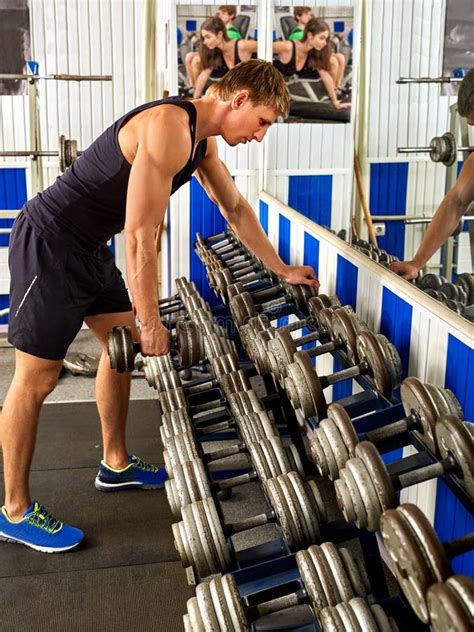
(54, 287)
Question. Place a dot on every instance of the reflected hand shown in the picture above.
(154, 340)
(406, 269)
(301, 274)
(342, 106)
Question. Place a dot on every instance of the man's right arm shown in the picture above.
(444, 222)
(163, 146)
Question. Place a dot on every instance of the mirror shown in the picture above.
(212, 39)
(312, 48)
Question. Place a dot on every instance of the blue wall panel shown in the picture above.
(311, 196)
(264, 216)
(204, 217)
(395, 324)
(452, 520)
(284, 233)
(346, 282)
(12, 196)
(388, 196)
(311, 252)
(4, 302)
(346, 290)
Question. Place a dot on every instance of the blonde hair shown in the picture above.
(265, 85)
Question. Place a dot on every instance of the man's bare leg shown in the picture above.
(32, 382)
(112, 391)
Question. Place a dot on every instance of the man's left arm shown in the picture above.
(220, 187)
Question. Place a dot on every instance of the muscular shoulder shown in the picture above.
(164, 135)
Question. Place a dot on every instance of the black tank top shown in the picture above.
(289, 68)
(85, 206)
(217, 73)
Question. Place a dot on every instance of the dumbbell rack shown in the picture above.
(269, 569)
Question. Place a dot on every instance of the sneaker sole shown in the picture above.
(43, 549)
(118, 487)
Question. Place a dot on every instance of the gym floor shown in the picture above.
(126, 574)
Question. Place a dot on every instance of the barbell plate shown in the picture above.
(454, 438)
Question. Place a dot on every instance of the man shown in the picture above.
(227, 13)
(62, 272)
(455, 202)
(302, 16)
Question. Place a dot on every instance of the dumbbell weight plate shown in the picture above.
(269, 458)
(383, 623)
(189, 484)
(234, 383)
(304, 386)
(356, 573)
(433, 550)
(343, 425)
(244, 403)
(224, 364)
(416, 397)
(120, 349)
(349, 618)
(256, 426)
(369, 349)
(466, 281)
(431, 281)
(221, 605)
(379, 476)
(338, 571)
(307, 507)
(411, 567)
(454, 438)
(345, 326)
(445, 400)
(211, 537)
(369, 516)
(328, 449)
(176, 422)
(451, 605)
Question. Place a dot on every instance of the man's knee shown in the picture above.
(35, 375)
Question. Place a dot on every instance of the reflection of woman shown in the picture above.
(218, 53)
(313, 56)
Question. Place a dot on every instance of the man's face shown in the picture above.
(225, 17)
(246, 121)
(305, 17)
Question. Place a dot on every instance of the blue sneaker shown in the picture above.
(136, 474)
(39, 530)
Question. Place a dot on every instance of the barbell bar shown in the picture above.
(67, 152)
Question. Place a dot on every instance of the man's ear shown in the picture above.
(239, 99)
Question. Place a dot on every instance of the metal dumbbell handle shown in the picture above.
(268, 306)
(327, 347)
(231, 254)
(249, 523)
(207, 406)
(216, 237)
(411, 422)
(279, 603)
(459, 546)
(238, 448)
(223, 243)
(251, 270)
(353, 371)
(242, 479)
(425, 473)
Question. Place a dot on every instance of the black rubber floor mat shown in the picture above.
(69, 435)
(141, 598)
(122, 528)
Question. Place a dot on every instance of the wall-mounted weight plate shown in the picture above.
(454, 439)
(451, 605)
(443, 149)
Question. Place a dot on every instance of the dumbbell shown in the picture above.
(344, 331)
(329, 576)
(334, 441)
(190, 480)
(451, 604)
(212, 239)
(200, 538)
(431, 281)
(184, 288)
(188, 303)
(246, 305)
(454, 292)
(223, 281)
(188, 341)
(365, 488)
(466, 281)
(419, 558)
(379, 363)
(356, 616)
